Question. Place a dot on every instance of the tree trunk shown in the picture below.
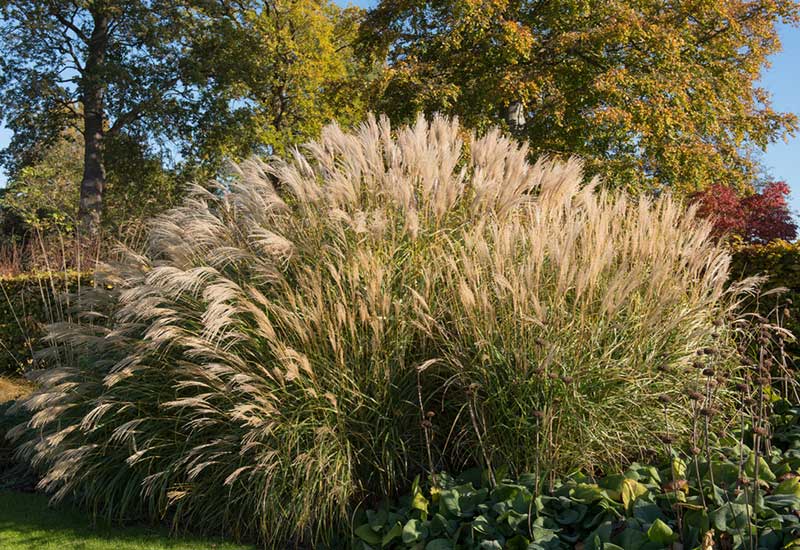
(93, 91)
(515, 116)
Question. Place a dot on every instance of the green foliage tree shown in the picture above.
(44, 194)
(271, 74)
(179, 72)
(654, 94)
(104, 68)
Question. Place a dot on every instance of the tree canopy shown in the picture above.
(654, 94)
(103, 67)
(269, 75)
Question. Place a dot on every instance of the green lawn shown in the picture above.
(26, 522)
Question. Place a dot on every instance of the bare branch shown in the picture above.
(69, 23)
(137, 110)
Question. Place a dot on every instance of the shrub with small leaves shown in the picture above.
(28, 303)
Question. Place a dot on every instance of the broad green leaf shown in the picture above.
(516, 519)
(482, 525)
(419, 502)
(449, 501)
(393, 533)
(630, 491)
(587, 493)
(440, 525)
(789, 486)
(632, 539)
(570, 516)
(613, 486)
(517, 543)
(365, 533)
(414, 531)
(764, 471)
(440, 544)
(377, 519)
(660, 533)
(678, 468)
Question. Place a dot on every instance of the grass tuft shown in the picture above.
(317, 331)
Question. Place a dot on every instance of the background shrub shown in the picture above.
(780, 262)
(320, 330)
(27, 304)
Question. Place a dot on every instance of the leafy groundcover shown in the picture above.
(742, 500)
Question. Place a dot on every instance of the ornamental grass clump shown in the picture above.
(318, 330)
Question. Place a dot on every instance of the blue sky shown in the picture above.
(782, 79)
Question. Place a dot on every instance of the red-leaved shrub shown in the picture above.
(758, 218)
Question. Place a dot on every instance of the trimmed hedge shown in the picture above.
(27, 304)
(780, 261)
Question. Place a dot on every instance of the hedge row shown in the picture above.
(780, 261)
(27, 304)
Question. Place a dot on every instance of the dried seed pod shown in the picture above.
(708, 412)
(709, 372)
(763, 380)
(667, 439)
(567, 379)
(552, 376)
(748, 401)
(698, 365)
(760, 430)
(426, 424)
(664, 368)
(742, 387)
(717, 322)
(664, 399)
(538, 414)
(709, 351)
(696, 450)
(539, 370)
(694, 395)
(430, 414)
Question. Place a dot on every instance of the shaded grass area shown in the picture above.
(26, 522)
